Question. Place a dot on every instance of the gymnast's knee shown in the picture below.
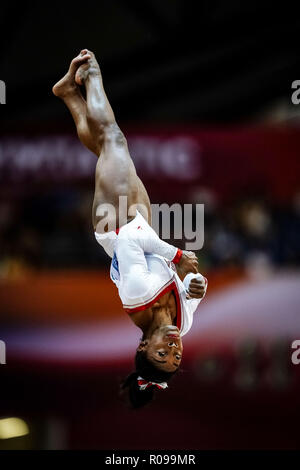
(113, 134)
(103, 129)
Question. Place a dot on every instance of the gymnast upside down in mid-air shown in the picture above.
(158, 284)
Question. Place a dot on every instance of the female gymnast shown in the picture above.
(159, 285)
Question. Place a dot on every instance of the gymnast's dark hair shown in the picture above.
(147, 370)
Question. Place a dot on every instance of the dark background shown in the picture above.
(175, 61)
(220, 74)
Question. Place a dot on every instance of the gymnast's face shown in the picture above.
(164, 348)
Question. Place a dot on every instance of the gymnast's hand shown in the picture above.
(197, 289)
(188, 263)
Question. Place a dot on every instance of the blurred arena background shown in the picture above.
(204, 99)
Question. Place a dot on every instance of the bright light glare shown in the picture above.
(12, 427)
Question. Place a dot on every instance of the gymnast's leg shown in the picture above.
(98, 130)
(68, 90)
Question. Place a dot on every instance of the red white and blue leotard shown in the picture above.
(143, 270)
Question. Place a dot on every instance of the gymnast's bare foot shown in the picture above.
(90, 67)
(67, 84)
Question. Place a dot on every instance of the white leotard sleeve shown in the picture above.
(139, 231)
(150, 242)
